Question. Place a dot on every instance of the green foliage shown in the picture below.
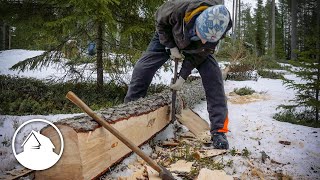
(248, 27)
(270, 74)
(233, 151)
(230, 163)
(21, 96)
(51, 25)
(307, 92)
(245, 152)
(267, 62)
(233, 51)
(305, 118)
(244, 91)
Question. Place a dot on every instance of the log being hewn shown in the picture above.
(89, 149)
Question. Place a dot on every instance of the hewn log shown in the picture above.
(89, 149)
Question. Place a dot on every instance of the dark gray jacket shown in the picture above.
(173, 29)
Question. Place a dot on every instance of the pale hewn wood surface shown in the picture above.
(90, 149)
(207, 174)
(193, 122)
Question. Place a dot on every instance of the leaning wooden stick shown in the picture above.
(163, 172)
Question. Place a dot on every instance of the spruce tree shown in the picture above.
(247, 24)
(120, 27)
(307, 67)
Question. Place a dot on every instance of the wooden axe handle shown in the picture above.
(77, 101)
(174, 92)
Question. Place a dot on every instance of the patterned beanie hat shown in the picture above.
(213, 22)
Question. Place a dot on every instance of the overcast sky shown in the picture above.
(253, 3)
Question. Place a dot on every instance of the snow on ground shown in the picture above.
(9, 58)
(251, 125)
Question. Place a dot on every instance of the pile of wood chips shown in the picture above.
(185, 157)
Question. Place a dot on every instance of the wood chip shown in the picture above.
(205, 137)
(193, 122)
(197, 155)
(207, 174)
(181, 166)
(137, 174)
(285, 142)
(16, 173)
(276, 162)
(255, 171)
(212, 152)
(187, 134)
(159, 149)
(208, 153)
(169, 143)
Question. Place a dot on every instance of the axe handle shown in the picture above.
(174, 92)
(77, 101)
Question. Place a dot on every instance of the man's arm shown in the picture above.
(164, 22)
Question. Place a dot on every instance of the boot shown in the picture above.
(219, 140)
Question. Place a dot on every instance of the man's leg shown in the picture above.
(186, 69)
(216, 101)
(145, 68)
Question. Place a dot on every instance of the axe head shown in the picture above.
(165, 174)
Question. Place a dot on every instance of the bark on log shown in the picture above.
(89, 149)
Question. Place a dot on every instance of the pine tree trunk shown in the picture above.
(273, 29)
(318, 58)
(235, 20)
(239, 18)
(3, 36)
(99, 55)
(259, 34)
(293, 29)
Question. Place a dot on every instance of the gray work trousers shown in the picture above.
(210, 73)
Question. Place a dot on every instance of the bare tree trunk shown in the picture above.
(99, 55)
(293, 29)
(318, 57)
(3, 35)
(9, 37)
(239, 19)
(233, 16)
(235, 19)
(273, 45)
(118, 37)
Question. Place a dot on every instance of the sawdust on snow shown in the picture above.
(237, 99)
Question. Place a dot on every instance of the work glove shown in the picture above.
(175, 54)
(178, 85)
